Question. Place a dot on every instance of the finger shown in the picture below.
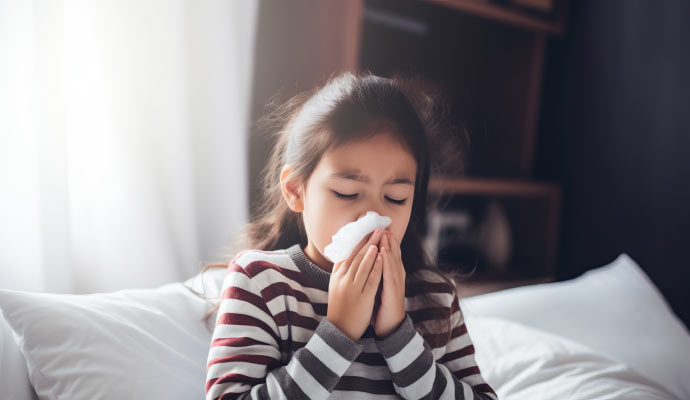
(337, 267)
(395, 270)
(355, 251)
(385, 252)
(361, 249)
(383, 237)
(391, 273)
(395, 245)
(391, 238)
(387, 235)
(347, 262)
(374, 278)
(357, 260)
(386, 263)
(366, 265)
(385, 242)
(391, 249)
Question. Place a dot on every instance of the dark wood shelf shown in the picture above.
(491, 281)
(488, 58)
(512, 273)
(505, 15)
(533, 209)
(493, 187)
(475, 288)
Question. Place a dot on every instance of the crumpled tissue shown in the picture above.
(347, 237)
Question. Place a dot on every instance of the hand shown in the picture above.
(353, 286)
(391, 312)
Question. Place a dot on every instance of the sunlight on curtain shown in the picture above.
(123, 131)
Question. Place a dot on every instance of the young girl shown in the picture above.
(383, 323)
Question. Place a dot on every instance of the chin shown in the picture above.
(321, 253)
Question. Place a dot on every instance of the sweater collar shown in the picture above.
(312, 271)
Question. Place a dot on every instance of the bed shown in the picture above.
(604, 335)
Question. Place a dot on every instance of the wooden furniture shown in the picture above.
(487, 57)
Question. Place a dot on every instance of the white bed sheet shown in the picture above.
(14, 374)
(615, 310)
(553, 341)
(520, 363)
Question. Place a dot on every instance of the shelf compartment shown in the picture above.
(533, 212)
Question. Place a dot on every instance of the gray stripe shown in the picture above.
(317, 369)
(313, 272)
(337, 340)
(440, 383)
(359, 384)
(396, 341)
(416, 369)
(263, 392)
(289, 386)
(459, 390)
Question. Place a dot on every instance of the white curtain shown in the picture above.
(123, 132)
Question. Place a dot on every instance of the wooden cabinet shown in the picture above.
(488, 58)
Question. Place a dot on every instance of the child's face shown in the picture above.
(377, 174)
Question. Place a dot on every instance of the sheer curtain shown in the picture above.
(123, 131)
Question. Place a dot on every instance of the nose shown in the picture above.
(363, 213)
(371, 205)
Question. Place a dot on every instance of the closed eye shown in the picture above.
(345, 196)
(399, 202)
(354, 196)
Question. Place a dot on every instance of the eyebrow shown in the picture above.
(355, 176)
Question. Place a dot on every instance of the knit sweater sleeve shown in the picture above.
(244, 360)
(416, 374)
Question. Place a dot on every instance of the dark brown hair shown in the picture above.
(354, 106)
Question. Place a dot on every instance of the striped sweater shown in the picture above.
(272, 340)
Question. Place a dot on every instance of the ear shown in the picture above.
(291, 190)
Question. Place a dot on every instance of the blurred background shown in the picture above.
(129, 154)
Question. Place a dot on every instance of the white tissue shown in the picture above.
(347, 237)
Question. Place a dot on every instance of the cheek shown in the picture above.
(323, 220)
(317, 224)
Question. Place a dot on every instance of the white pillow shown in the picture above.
(14, 375)
(520, 362)
(130, 344)
(614, 309)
